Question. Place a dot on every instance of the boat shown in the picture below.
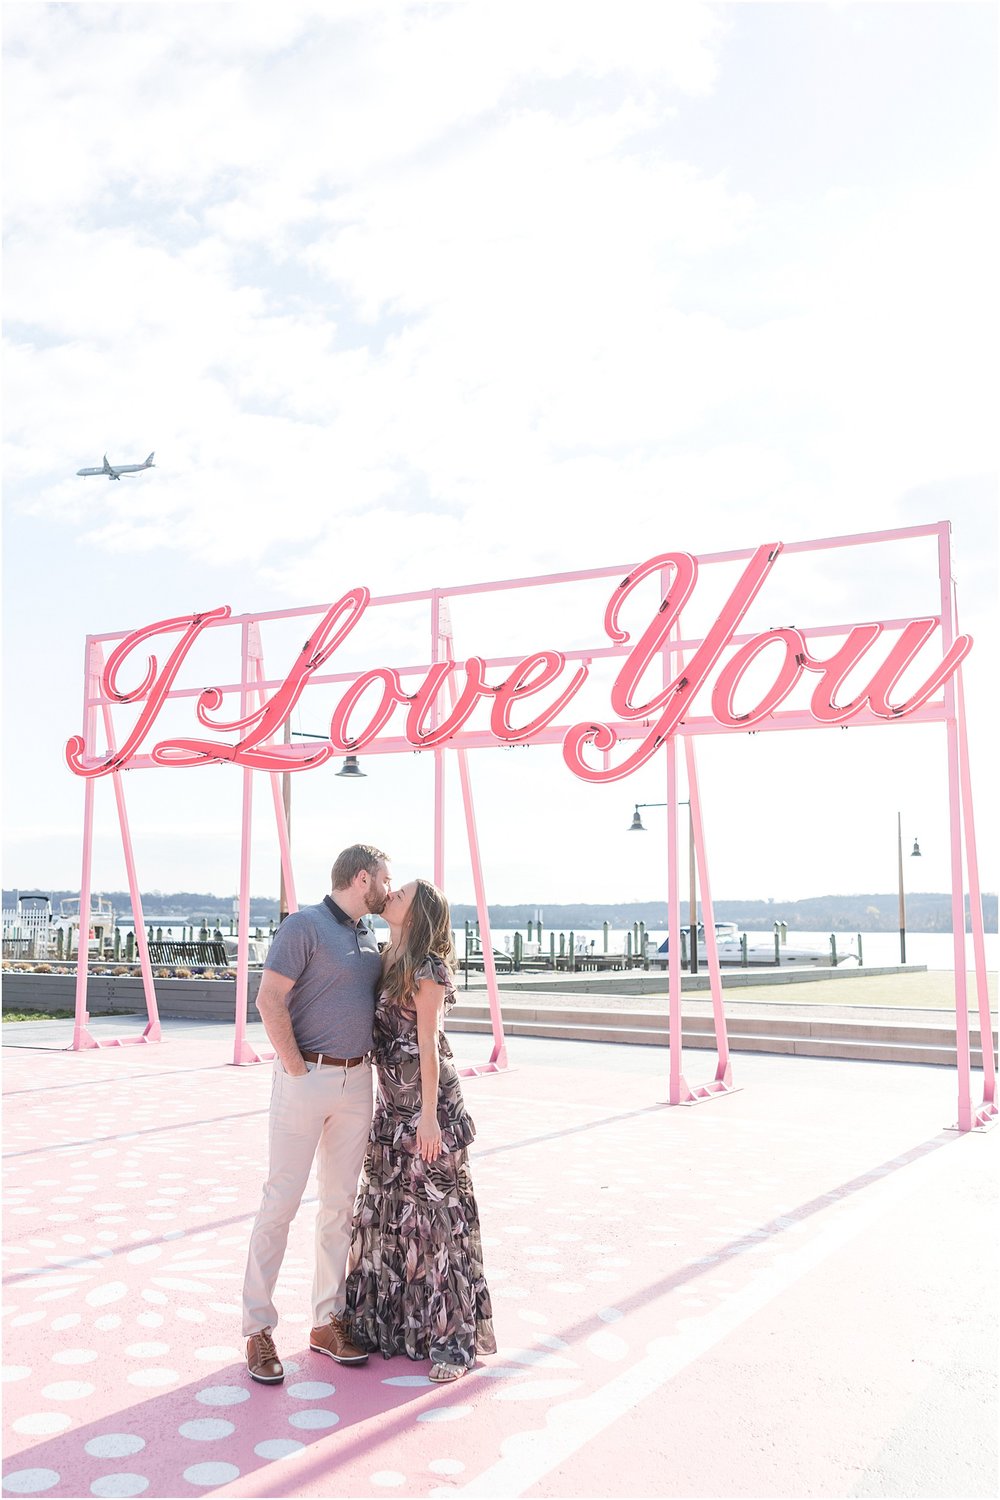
(761, 952)
(100, 926)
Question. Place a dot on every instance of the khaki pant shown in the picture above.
(325, 1114)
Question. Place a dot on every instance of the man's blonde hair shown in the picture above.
(350, 862)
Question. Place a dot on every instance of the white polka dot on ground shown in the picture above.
(313, 1420)
(390, 1478)
(112, 1291)
(119, 1486)
(311, 1390)
(114, 1445)
(278, 1448)
(42, 1423)
(206, 1429)
(223, 1395)
(30, 1481)
(209, 1476)
(67, 1390)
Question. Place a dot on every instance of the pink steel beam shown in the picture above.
(679, 1091)
(153, 1032)
(284, 846)
(723, 1081)
(242, 1050)
(281, 821)
(437, 644)
(82, 1038)
(498, 1057)
(986, 1114)
(582, 575)
(965, 1121)
(958, 931)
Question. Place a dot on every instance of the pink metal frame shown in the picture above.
(677, 653)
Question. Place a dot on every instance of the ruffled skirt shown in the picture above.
(415, 1284)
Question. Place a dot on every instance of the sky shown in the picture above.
(421, 294)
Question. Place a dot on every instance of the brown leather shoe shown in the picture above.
(262, 1359)
(331, 1339)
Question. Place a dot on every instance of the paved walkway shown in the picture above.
(864, 997)
(789, 1291)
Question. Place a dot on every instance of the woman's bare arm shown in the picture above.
(428, 1003)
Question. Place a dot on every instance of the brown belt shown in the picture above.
(335, 1062)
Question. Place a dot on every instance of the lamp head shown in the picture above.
(351, 767)
(637, 823)
(915, 851)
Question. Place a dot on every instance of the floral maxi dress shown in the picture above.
(415, 1283)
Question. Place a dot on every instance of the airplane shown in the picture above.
(116, 473)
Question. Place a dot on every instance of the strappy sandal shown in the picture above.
(442, 1373)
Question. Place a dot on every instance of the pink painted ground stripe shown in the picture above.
(647, 1265)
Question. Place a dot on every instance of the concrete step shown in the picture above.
(862, 1041)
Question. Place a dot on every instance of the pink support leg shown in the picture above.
(439, 646)
(962, 1049)
(243, 1052)
(958, 929)
(985, 1116)
(679, 1091)
(498, 1057)
(81, 1036)
(284, 845)
(723, 1082)
(153, 1031)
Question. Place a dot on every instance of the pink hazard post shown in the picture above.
(724, 680)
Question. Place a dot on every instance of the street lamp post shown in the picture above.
(638, 827)
(914, 853)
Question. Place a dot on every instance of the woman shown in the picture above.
(416, 1283)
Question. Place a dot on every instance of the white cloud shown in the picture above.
(415, 293)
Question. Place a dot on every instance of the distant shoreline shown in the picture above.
(864, 912)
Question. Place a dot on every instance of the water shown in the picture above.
(934, 949)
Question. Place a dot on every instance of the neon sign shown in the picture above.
(536, 674)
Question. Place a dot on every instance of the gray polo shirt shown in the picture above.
(336, 967)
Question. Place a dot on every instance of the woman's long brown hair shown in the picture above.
(427, 931)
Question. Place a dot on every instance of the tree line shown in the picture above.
(868, 912)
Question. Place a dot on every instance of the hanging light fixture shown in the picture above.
(351, 767)
(915, 850)
(637, 825)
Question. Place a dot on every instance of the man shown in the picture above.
(317, 1002)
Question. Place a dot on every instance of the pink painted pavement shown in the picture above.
(789, 1291)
